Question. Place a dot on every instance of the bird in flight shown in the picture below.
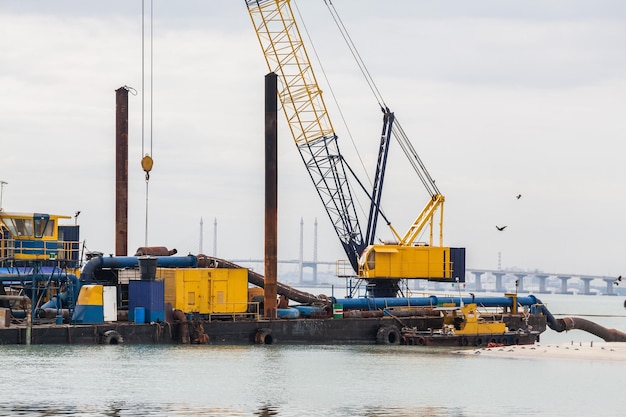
(500, 228)
(518, 196)
(618, 280)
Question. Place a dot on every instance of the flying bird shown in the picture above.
(617, 281)
(500, 228)
(518, 196)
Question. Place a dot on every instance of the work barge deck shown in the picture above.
(304, 318)
(49, 295)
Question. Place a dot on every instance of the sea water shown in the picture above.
(280, 380)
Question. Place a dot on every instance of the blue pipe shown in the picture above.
(56, 302)
(554, 323)
(189, 261)
(433, 301)
(34, 278)
(15, 270)
(287, 313)
(76, 284)
(94, 264)
(308, 311)
(99, 262)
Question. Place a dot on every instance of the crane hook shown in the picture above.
(146, 164)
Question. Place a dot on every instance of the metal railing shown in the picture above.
(253, 310)
(19, 249)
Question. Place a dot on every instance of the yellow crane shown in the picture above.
(381, 265)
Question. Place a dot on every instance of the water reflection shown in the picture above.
(288, 381)
(266, 411)
(127, 410)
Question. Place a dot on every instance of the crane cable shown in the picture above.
(355, 54)
(362, 67)
(332, 93)
(146, 160)
(397, 130)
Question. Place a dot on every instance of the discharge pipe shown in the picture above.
(608, 335)
(577, 323)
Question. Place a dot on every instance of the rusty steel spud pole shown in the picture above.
(271, 196)
(121, 171)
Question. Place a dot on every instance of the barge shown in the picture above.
(48, 296)
(310, 331)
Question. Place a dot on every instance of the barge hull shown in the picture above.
(238, 332)
(474, 340)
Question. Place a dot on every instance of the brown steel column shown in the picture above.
(271, 196)
(121, 171)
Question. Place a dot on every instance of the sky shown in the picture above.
(499, 98)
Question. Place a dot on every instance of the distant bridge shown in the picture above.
(302, 265)
(559, 283)
(499, 280)
(477, 279)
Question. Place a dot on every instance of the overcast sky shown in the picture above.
(500, 98)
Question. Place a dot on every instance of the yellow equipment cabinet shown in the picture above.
(206, 290)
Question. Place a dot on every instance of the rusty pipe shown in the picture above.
(183, 325)
(577, 323)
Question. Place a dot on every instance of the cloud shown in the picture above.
(498, 98)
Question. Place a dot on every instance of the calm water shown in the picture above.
(313, 380)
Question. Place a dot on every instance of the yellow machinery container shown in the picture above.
(395, 261)
(206, 290)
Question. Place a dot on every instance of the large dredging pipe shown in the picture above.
(258, 280)
(608, 335)
(577, 323)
